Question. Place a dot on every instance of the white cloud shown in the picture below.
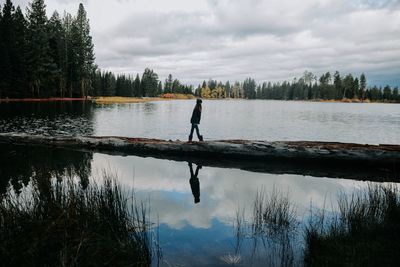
(166, 185)
(234, 39)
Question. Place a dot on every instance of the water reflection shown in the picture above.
(21, 164)
(194, 182)
(149, 107)
(187, 231)
(166, 184)
(269, 236)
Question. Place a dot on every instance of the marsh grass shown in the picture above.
(273, 213)
(267, 235)
(58, 223)
(365, 232)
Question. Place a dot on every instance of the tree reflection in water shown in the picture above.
(22, 164)
(50, 215)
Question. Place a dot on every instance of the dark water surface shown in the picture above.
(204, 220)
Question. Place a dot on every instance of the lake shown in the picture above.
(204, 222)
(221, 119)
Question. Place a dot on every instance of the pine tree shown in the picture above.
(2, 56)
(136, 86)
(149, 83)
(363, 86)
(176, 87)
(20, 45)
(337, 82)
(348, 85)
(356, 88)
(84, 48)
(7, 52)
(57, 44)
(70, 63)
(387, 93)
(40, 64)
(168, 84)
(159, 88)
(249, 87)
(228, 89)
(395, 94)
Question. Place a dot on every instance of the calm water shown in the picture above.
(259, 119)
(189, 233)
(197, 219)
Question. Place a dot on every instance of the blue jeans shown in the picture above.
(194, 126)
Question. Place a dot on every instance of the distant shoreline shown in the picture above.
(122, 100)
(50, 99)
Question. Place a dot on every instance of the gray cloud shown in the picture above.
(233, 39)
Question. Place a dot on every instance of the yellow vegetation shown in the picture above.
(218, 92)
(177, 96)
(119, 99)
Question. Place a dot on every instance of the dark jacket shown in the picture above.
(196, 116)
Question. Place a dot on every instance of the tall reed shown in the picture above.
(59, 223)
(365, 232)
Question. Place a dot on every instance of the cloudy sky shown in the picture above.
(270, 40)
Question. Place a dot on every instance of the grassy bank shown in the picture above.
(61, 224)
(168, 96)
(177, 96)
(121, 100)
(366, 232)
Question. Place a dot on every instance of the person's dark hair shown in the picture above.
(198, 104)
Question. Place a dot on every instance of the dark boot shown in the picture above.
(201, 138)
(190, 138)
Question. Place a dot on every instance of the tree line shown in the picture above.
(54, 57)
(307, 87)
(43, 57)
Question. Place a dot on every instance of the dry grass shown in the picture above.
(122, 100)
(178, 96)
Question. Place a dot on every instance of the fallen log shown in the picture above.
(328, 159)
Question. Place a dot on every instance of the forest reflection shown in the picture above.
(20, 165)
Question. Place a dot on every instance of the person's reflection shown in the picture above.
(194, 182)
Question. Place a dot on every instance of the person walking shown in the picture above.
(195, 120)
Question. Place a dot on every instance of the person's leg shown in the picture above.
(191, 169)
(197, 131)
(191, 133)
(197, 170)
